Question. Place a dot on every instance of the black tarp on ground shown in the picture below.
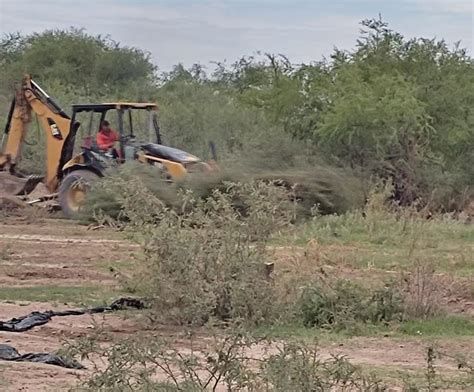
(34, 319)
(9, 353)
(24, 323)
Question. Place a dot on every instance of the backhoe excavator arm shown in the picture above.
(31, 98)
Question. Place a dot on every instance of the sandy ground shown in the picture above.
(53, 253)
(61, 253)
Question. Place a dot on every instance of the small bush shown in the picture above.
(297, 367)
(344, 304)
(206, 260)
(231, 364)
(106, 197)
(422, 294)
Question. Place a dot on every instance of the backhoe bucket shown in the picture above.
(11, 185)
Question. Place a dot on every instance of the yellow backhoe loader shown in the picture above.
(69, 172)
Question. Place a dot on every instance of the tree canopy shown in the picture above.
(393, 108)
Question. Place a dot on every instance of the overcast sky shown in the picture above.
(199, 31)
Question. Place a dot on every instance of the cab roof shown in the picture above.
(102, 107)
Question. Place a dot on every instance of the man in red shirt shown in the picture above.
(107, 137)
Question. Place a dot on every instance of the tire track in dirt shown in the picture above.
(57, 253)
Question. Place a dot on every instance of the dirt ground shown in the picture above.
(57, 253)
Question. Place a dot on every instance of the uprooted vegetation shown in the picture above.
(322, 188)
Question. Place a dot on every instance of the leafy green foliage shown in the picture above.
(395, 108)
(206, 258)
(93, 64)
(344, 304)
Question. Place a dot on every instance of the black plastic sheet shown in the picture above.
(9, 353)
(35, 319)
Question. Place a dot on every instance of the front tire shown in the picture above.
(73, 189)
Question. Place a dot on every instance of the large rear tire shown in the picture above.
(73, 189)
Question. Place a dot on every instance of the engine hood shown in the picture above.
(169, 153)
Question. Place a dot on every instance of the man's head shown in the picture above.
(105, 126)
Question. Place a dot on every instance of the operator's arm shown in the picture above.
(115, 136)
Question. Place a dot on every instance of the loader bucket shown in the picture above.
(17, 186)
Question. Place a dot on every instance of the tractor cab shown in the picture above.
(128, 119)
(135, 123)
(82, 160)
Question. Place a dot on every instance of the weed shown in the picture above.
(207, 260)
(230, 363)
(6, 252)
(447, 326)
(422, 294)
(433, 381)
(344, 304)
(430, 369)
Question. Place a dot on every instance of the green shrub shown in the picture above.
(344, 304)
(206, 259)
(297, 367)
(229, 363)
(107, 196)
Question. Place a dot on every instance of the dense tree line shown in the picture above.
(392, 108)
